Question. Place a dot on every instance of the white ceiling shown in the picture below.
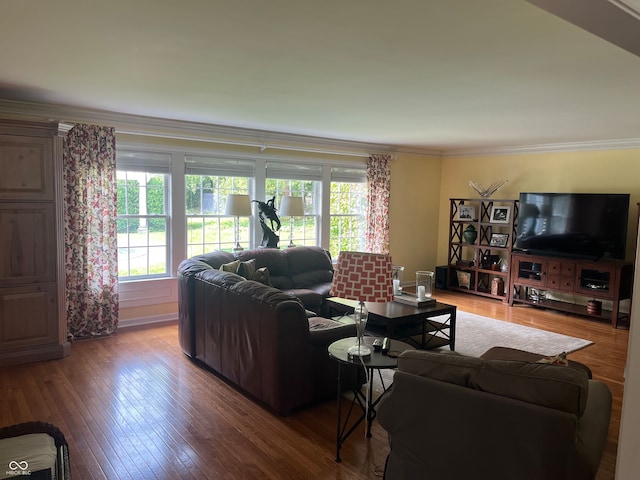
(449, 75)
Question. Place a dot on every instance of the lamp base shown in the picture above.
(359, 351)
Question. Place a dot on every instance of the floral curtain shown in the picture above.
(378, 194)
(90, 209)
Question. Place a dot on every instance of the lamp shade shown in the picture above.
(365, 277)
(291, 206)
(238, 205)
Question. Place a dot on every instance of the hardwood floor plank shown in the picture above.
(132, 406)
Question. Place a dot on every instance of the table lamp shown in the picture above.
(238, 206)
(365, 277)
(291, 207)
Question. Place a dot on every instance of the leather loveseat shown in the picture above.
(259, 337)
(450, 416)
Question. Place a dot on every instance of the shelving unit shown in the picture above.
(473, 267)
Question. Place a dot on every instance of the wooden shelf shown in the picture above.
(480, 273)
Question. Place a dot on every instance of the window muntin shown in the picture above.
(348, 204)
(208, 228)
(142, 224)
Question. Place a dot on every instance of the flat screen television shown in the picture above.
(580, 225)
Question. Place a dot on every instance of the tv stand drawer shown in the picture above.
(562, 268)
(562, 284)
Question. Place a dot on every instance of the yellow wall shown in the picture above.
(414, 206)
(611, 171)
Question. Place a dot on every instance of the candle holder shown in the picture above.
(424, 285)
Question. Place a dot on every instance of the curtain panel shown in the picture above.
(90, 227)
(378, 195)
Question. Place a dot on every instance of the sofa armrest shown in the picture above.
(594, 424)
(323, 332)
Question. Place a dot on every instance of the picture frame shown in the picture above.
(499, 240)
(466, 212)
(500, 214)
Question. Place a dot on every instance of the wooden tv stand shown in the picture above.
(603, 279)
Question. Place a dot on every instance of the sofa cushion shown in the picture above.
(309, 266)
(268, 295)
(214, 259)
(563, 389)
(274, 260)
(220, 277)
(506, 353)
(455, 369)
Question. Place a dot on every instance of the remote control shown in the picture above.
(386, 345)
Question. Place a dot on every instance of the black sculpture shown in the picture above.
(268, 209)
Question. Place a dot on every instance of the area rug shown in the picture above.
(476, 334)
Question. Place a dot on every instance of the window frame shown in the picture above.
(245, 222)
(330, 169)
(283, 172)
(350, 176)
(147, 163)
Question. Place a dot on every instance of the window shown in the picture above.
(208, 228)
(297, 181)
(143, 229)
(348, 206)
(142, 224)
(159, 224)
(207, 184)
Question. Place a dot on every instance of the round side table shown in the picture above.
(376, 361)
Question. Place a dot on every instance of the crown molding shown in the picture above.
(203, 132)
(269, 140)
(621, 144)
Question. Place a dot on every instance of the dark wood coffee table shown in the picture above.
(427, 327)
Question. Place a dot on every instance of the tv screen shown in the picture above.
(582, 225)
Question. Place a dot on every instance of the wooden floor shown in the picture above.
(133, 406)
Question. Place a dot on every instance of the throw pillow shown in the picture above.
(247, 269)
(559, 359)
(230, 267)
(262, 276)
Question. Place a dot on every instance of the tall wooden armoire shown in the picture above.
(33, 323)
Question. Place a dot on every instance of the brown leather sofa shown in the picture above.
(450, 416)
(259, 337)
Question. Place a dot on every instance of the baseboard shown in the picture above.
(136, 322)
(36, 353)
